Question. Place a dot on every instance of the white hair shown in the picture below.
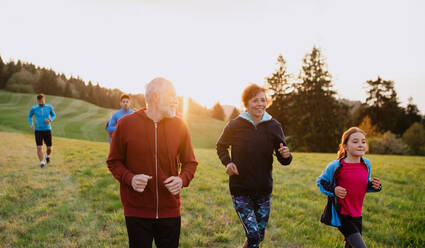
(157, 85)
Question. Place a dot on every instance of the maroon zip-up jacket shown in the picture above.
(160, 150)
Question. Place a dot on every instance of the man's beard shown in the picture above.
(167, 112)
(170, 113)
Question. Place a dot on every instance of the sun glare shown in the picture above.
(185, 107)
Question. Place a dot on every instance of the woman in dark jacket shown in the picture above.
(252, 136)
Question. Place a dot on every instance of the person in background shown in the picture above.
(44, 115)
(125, 103)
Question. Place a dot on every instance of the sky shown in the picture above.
(212, 49)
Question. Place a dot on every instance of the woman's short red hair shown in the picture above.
(251, 91)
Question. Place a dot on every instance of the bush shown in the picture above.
(20, 88)
(21, 82)
(414, 137)
(388, 144)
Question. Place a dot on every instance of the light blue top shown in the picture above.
(247, 116)
(41, 114)
(115, 117)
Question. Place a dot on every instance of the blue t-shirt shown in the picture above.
(114, 119)
(41, 114)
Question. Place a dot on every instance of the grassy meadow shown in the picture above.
(74, 201)
(78, 119)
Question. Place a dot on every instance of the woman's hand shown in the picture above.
(376, 183)
(284, 151)
(340, 192)
(231, 169)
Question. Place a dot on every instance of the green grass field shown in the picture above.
(78, 119)
(74, 201)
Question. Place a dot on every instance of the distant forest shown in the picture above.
(312, 117)
(25, 77)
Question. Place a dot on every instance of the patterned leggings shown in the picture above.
(254, 213)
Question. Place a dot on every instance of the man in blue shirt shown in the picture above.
(44, 115)
(125, 110)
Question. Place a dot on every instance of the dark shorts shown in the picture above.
(350, 225)
(141, 232)
(43, 135)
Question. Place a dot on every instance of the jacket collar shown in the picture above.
(141, 112)
(247, 116)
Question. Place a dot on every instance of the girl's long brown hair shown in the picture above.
(344, 140)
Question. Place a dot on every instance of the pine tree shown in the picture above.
(68, 89)
(47, 83)
(98, 98)
(90, 93)
(278, 82)
(217, 112)
(281, 91)
(2, 83)
(196, 108)
(319, 119)
(235, 113)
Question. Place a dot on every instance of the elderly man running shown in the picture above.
(152, 157)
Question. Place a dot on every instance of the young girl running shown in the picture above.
(345, 181)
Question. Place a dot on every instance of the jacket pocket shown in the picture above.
(143, 199)
(168, 200)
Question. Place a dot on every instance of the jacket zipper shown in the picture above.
(156, 167)
(42, 115)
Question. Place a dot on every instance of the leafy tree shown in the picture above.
(9, 69)
(370, 129)
(384, 109)
(414, 137)
(22, 81)
(388, 143)
(412, 113)
(217, 112)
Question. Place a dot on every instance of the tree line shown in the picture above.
(312, 116)
(25, 77)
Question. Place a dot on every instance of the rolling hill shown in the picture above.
(78, 119)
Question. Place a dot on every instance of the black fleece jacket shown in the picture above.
(252, 151)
